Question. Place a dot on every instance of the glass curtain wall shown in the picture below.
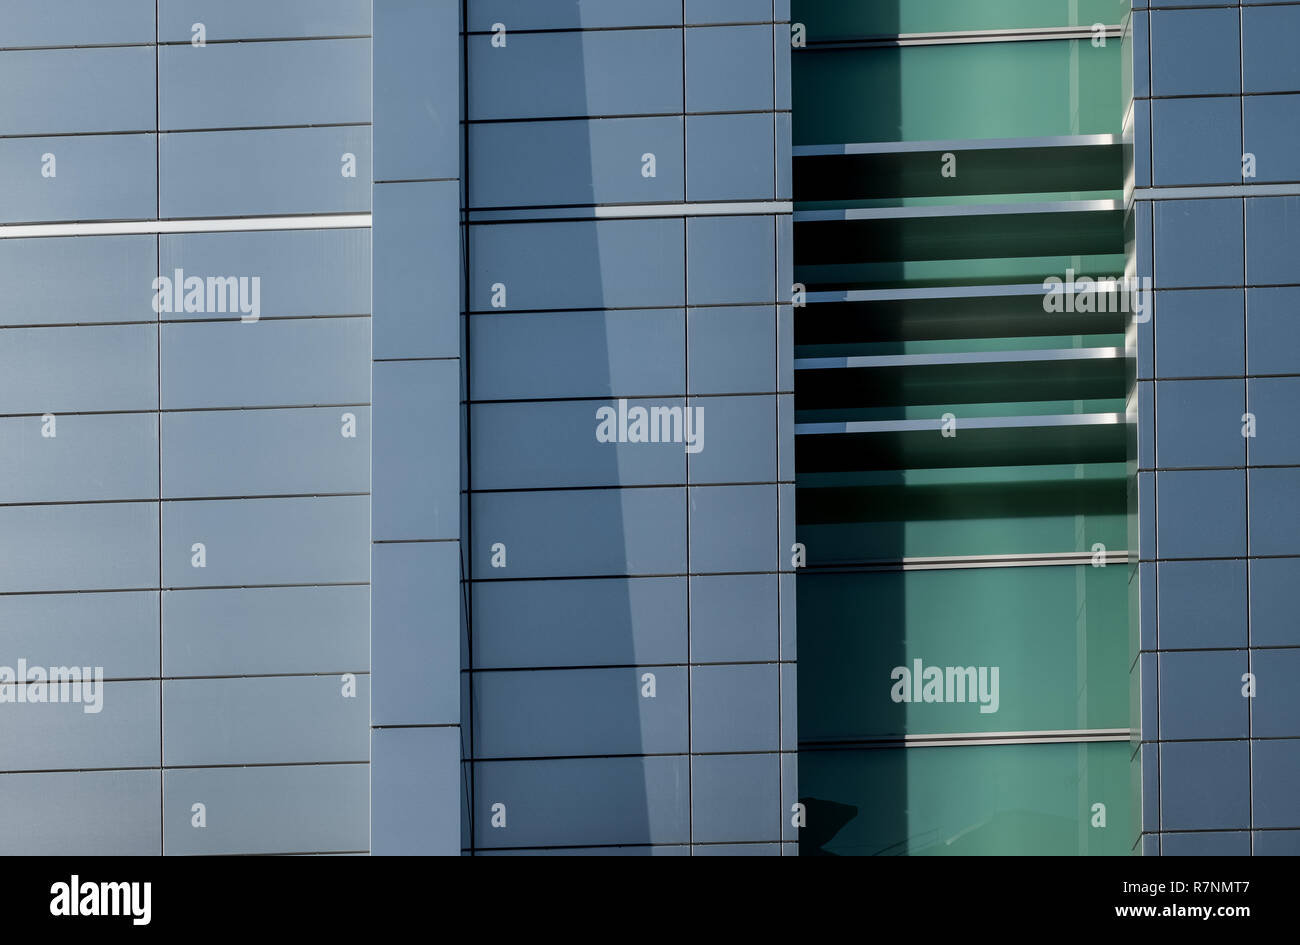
(963, 458)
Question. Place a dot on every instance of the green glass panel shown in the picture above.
(976, 198)
(970, 800)
(1026, 475)
(848, 517)
(1012, 173)
(931, 411)
(1135, 798)
(997, 315)
(984, 533)
(988, 445)
(1133, 601)
(942, 93)
(1126, 62)
(964, 236)
(1058, 636)
(1007, 379)
(949, 345)
(1135, 703)
(1014, 649)
(838, 19)
(932, 272)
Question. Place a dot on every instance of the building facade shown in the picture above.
(648, 427)
(628, 489)
(186, 469)
(961, 449)
(1215, 204)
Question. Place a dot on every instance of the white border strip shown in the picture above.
(926, 293)
(1020, 356)
(1060, 559)
(954, 144)
(951, 739)
(960, 562)
(970, 423)
(631, 211)
(956, 210)
(696, 209)
(338, 221)
(933, 293)
(1222, 190)
(1022, 34)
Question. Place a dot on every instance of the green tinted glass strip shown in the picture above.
(1028, 343)
(1044, 408)
(941, 93)
(994, 474)
(915, 444)
(976, 800)
(941, 272)
(915, 178)
(842, 19)
(962, 651)
(985, 532)
(1005, 311)
(1008, 376)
